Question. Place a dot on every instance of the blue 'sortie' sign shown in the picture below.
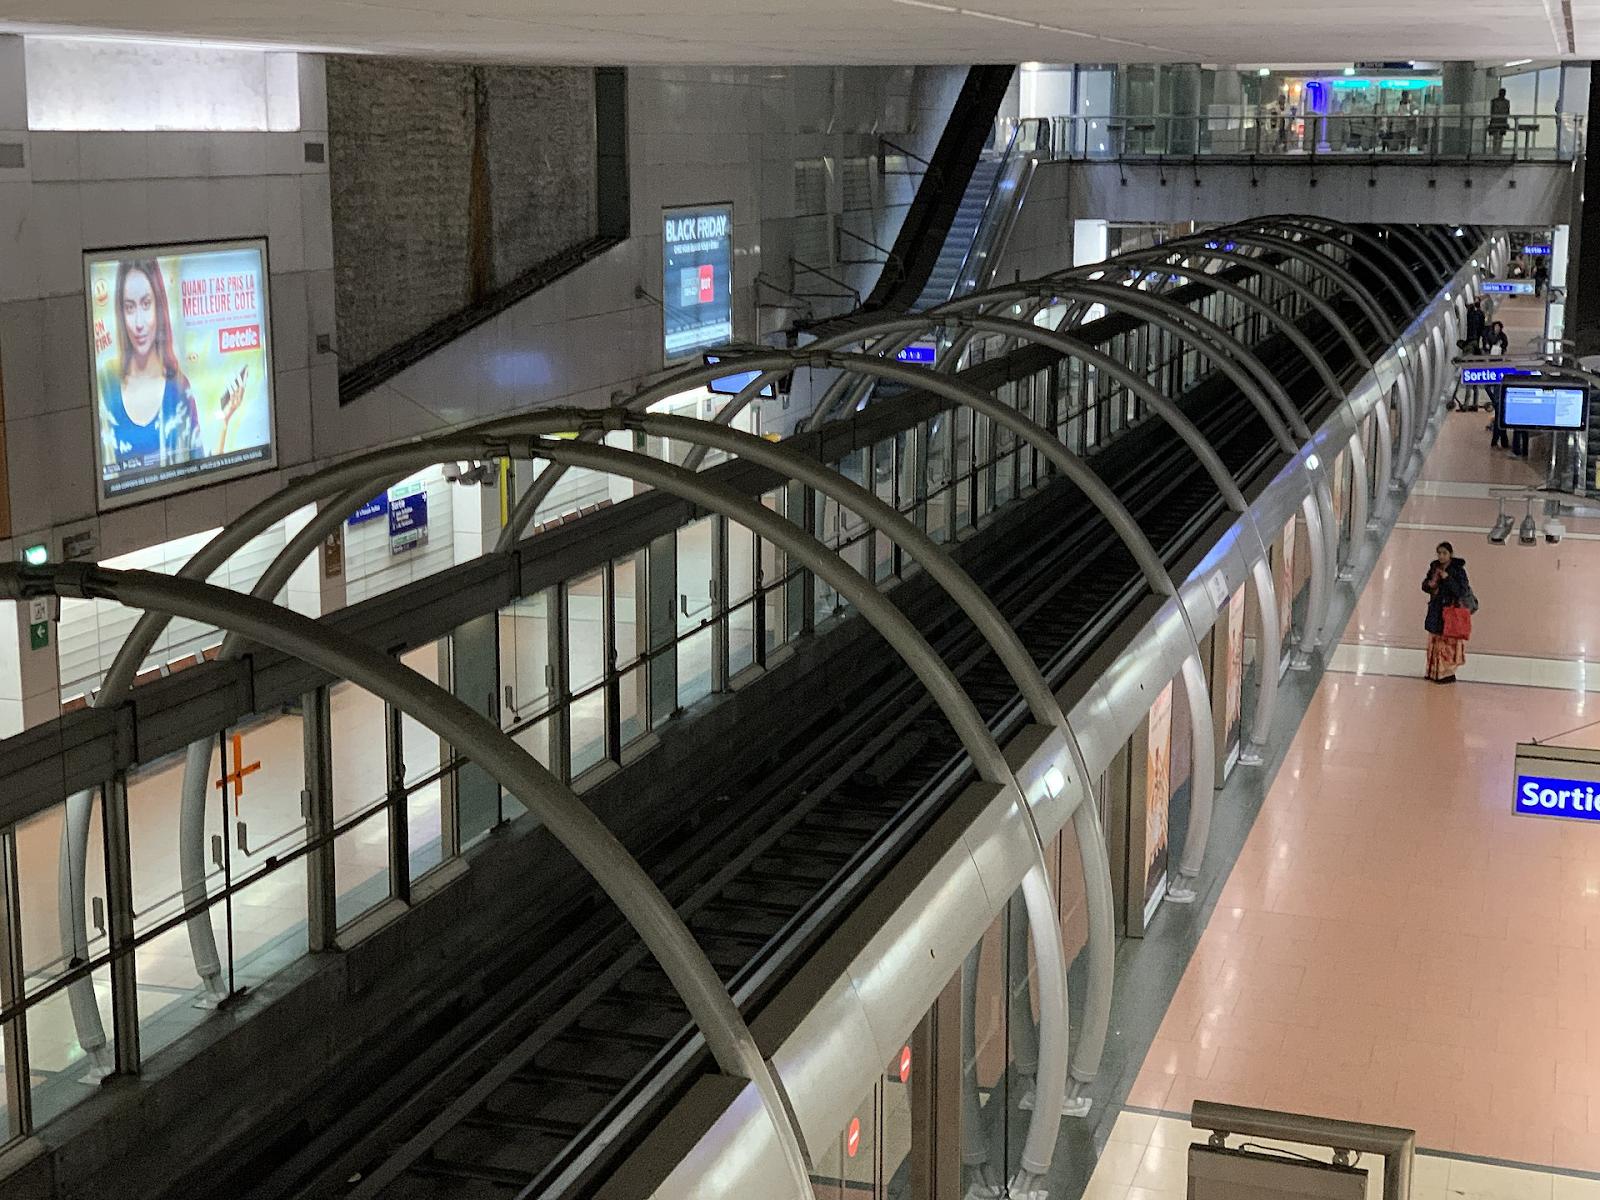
(1476, 376)
(1562, 782)
(1552, 796)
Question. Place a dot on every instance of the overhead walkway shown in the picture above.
(1043, 530)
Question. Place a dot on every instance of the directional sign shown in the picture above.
(1562, 782)
(1509, 287)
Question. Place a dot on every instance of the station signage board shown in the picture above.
(1558, 782)
(923, 354)
(408, 518)
(1538, 250)
(1509, 287)
(377, 507)
(1479, 376)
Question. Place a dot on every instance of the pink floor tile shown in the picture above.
(1394, 945)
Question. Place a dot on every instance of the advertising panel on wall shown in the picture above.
(1285, 586)
(180, 366)
(696, 279)
(1158, 800)
(1234, 688)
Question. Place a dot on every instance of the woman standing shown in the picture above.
(148, 415)
(1447, 587)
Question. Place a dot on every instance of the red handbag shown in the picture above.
(1457, 623)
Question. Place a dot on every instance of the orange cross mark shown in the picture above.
(240, 770)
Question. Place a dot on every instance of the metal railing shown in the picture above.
(1254, 133)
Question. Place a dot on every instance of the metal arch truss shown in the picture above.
(342, 487)
(569, 820)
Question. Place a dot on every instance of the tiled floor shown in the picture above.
(1393, 945)
(1147, 1155)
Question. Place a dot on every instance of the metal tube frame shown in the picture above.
(569, 820)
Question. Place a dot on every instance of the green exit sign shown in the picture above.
(39, 635)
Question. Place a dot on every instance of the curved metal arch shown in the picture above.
(1319, 505)
(1073, 346)
(1321, 263)
(1327, 227)
(1265, 269)
(567, 818)
(1253, 301)
(1230, 355)
(939, 566)
(1418, 235)
(803, 548)
(904, 638)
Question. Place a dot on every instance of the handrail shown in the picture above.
(1397, 1146)
(1251, 133)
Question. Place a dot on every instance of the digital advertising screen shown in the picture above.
(180, 366)
(696, 279)
(1547, 406)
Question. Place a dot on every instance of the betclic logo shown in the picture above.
(239, 337)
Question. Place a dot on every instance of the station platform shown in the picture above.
(1392, 944)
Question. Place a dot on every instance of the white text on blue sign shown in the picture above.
(1547, 796)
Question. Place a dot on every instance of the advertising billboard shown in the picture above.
(1158, 799)
(696, 279)
(1233, 706)
(180, 366)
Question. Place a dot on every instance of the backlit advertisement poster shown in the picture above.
(1233, 705)
(180, 366)
(1341, 514)
(1158, 799)
(1285, 584)
(696, 279)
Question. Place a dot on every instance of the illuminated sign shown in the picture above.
(408, 517)
(697, 279)
(181, 366)
(378, 506)
(852, 1137)
(923, 354)
(1536, 250)
(1562, 782)
(1509, 287)
(1547, 406)
(1478, 376)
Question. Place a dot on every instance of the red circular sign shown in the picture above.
(852, 1137)
(905, 1063)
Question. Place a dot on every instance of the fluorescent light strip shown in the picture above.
(1005, 20)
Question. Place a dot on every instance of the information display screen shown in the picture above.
(180, 366)
(697, 279)
(1549, 406)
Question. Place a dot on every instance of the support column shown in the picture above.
(1583, 245)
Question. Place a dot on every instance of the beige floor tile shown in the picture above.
(1119, 1163)
(1487, 1181)
(1164, 1168)
(1134, 1127)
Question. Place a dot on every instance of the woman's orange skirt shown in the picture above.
(1445, 656)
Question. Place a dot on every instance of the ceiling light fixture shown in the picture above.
(1519, 62)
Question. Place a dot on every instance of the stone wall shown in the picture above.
(449, 181)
